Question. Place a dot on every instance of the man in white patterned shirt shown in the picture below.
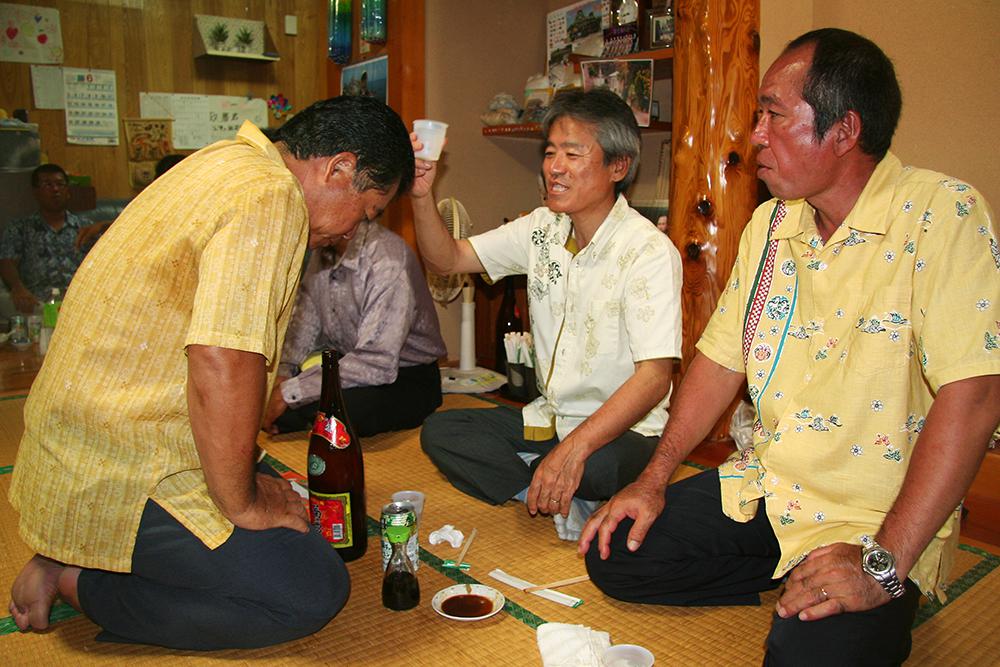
(604, 302)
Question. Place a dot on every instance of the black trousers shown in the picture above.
(403, 404)
(695, 555)
(477, 450)
(257, 589)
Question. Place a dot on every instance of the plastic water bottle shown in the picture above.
(50, 313)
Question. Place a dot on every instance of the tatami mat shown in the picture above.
(365, 633)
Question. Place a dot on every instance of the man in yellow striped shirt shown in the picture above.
(137, 479)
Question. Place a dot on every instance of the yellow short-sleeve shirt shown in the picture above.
(845, 344)
(208, 254)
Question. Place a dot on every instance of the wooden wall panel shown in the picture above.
(150, 46)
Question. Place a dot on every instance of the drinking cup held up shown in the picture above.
(431, 134)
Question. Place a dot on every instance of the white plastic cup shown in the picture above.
(431, 134)
(628, 655)
(416, 498)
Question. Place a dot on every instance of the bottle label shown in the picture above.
(331, 513)
(317, 465)
(332, 430)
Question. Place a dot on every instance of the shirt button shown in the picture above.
(808, 377)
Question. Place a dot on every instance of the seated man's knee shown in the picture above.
(316, 587)
(435, 433)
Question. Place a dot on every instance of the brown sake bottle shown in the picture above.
(336, 470)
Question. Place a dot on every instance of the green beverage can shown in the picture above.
(399, 519)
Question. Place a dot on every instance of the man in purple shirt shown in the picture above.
(366, 298)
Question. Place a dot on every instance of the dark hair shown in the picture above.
(47, 169)
(617, 131)
(849, 72)
(166, 162)
(369, 129)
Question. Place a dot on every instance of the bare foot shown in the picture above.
(34, 591)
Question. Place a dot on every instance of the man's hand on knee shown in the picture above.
(640, 501)
(276, 505)
(829, 581)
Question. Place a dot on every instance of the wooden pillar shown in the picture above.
(713, 182)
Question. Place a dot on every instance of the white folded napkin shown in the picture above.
(567, 645)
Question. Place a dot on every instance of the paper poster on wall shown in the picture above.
(200, 120)
(147, 140)
(30, 34)
(91, 106)
(47, 87)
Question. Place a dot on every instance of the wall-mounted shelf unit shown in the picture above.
(241, 39)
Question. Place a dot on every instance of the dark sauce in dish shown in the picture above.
(467, 606)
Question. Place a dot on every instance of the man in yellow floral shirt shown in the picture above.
(862, 312)
(137, 479)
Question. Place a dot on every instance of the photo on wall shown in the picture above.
(367, 79)
(632, 80)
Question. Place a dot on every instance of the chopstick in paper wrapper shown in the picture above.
(521, 584)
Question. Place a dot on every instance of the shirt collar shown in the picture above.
(249, 134)
(869, 214)
(604, 231)
(351, 258)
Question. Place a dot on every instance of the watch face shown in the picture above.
(879, 561)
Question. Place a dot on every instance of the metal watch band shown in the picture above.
(892, 585)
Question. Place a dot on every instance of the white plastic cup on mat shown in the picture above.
(416, 498)
(431, 134)
(628, 655)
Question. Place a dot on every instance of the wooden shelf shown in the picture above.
(238, 55)
(652, 54)
(522, 131)
(534, 130)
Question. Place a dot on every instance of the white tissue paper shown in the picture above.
(447, 533)
(567, 645)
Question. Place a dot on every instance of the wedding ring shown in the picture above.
(822, 591)
(553, 501)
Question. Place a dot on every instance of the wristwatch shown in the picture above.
(881, 565)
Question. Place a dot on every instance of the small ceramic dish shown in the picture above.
(468, 602)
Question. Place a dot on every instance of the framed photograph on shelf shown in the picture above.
(632, 80)
(660, 24)
(367, 79)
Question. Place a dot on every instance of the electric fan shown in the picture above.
(468, 377)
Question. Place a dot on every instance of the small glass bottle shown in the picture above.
(339, 33)
(50, 313)
(373, 24)
(400, 589)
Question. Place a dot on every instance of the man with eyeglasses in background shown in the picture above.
(42, 250)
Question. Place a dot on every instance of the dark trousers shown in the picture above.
(477, 450)
(403, 404)
(258, 588)
(695, 555)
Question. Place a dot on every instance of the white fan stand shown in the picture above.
(467, 378)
